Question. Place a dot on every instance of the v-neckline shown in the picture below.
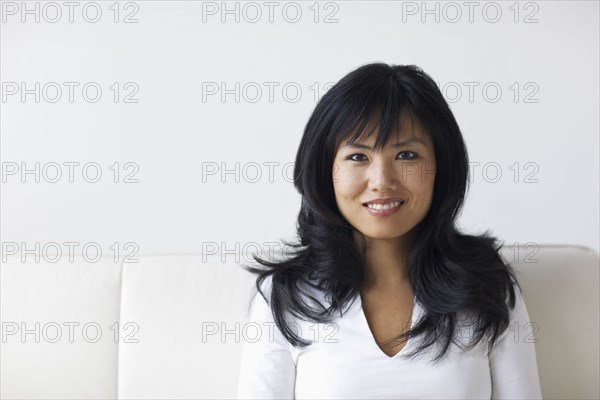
(365, 324)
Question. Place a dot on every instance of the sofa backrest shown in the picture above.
(561, 291)
(173, 326)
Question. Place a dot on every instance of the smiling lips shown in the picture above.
(384, 201)
(383, 208)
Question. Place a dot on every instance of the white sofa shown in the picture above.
(177, 315)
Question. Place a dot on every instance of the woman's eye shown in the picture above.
(353, 155)
(412, 156)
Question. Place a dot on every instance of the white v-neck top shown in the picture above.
(345, 362)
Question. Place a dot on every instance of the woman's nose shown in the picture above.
(383, 176)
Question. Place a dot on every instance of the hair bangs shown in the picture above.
(383, 112)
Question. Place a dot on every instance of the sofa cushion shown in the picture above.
(191, 314)
(66, 311)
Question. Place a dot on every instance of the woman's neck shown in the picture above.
(386, 264)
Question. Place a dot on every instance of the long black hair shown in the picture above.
(449, 271)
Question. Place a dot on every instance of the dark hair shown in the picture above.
(448, 271)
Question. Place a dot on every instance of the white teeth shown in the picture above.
(384, 206)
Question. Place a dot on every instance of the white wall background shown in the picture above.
(541, 133)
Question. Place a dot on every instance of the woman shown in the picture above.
(383, 297)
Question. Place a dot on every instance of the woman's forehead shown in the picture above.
(406, 129)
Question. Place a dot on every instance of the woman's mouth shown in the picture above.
(383, 210)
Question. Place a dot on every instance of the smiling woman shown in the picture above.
(418, 309)
(394, 185)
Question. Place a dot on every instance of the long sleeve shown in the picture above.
(513, 362)
(267, 369)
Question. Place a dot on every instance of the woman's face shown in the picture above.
(405, 172)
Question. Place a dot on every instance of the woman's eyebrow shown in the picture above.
(399, 144)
